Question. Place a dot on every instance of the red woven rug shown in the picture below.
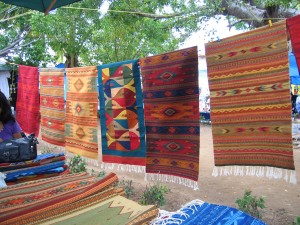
(293, 25)
(52, 106)
(250, 98)
(171, 102)
(81, 126)
(28, 104)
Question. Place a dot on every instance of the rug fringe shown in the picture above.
(258, 171)
(123, 167)
(172, 179)
(165, 217)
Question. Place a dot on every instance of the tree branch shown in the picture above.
(15, 43)
(149, 15)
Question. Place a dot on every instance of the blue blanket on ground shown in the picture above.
(203, 213)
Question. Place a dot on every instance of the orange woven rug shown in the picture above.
(52, 106)
(172, 118)
(81, 128)
(250, 98)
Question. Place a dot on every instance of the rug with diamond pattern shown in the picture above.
(81, 126)
(171, 101)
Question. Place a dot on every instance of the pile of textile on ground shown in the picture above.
(71, 199)
(203, 213)
(43, 166)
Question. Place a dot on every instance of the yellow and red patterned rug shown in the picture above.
(81, 126)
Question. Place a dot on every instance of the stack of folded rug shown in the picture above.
(203, 213)
(45, 165)
(71, 199)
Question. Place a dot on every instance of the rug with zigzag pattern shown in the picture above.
(250, 98)
(172, 118)
(121, 113)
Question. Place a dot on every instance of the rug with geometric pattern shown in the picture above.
(250, 98)
(81, 125)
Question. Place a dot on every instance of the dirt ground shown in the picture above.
(282, 199)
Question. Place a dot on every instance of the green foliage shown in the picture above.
(154, 195)
(128, 188)
(297, 221)
(77, 164)
(250, 204)
(100, 175)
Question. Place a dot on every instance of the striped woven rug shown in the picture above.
(33, 201)
(28, 105)
(52, 106)
(250, 98)
(81, 127)
(172, 118)
(122, 114)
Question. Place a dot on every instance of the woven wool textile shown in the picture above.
(250, 98)
(23, 201)
(171, 101)
(81, 126)
(39, 160)
(52, 106)
(203, 213)
(122, 114)
(293, 25)
(116, 210)
(28, 104)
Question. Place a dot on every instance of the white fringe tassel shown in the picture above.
(172, 179)
(258, 171)
(123, 167)
(164, 217)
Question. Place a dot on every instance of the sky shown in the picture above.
(201, 37)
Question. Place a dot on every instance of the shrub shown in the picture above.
(77, 164)
(250, 204)
(154, 195)
(128, 188)
(297, 221)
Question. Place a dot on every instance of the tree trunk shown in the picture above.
(71, 60)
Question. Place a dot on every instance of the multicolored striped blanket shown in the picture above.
(250, 99)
